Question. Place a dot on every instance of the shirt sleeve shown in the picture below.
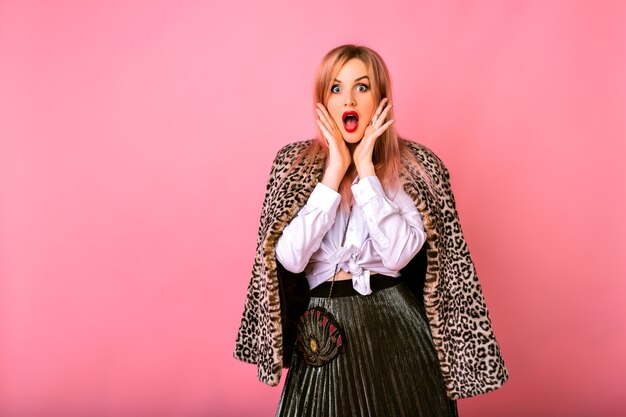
(303, 235)
(394, 225)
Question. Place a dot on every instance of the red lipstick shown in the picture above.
(350, 121)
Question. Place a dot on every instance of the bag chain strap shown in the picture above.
(343, 241)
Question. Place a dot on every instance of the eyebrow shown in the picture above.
(360, 78)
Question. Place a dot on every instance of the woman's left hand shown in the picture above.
(362, 155)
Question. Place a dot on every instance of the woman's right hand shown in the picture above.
(339, 158)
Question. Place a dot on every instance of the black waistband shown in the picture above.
(344, 287)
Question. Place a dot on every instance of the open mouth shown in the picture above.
(350, 121)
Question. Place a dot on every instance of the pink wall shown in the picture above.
(135, 142)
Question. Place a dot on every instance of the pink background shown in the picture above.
(136, 140)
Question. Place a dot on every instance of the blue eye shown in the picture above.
(362, 88)
(335, 89)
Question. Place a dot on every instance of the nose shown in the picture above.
(349, 99)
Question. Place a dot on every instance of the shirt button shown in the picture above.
(351, 228)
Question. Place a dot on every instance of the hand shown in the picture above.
(363, 152)
(339, 158)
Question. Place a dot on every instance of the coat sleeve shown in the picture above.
(260, 336)
(469, 352)
(247, 342)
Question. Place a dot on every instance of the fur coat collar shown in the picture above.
(468, 353)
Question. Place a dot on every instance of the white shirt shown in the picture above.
(385, 232)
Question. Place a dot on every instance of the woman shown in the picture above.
(363, 283)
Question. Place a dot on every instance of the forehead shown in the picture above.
(351, 70)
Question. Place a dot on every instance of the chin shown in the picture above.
(354, 137)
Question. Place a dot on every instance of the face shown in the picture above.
(351, 101)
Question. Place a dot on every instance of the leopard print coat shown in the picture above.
(469, 355)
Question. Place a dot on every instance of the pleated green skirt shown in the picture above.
(388, 369)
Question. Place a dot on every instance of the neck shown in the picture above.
(351, 173)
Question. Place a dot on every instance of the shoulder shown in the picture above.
(426, 157)
(289, 152)
(294, 160)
